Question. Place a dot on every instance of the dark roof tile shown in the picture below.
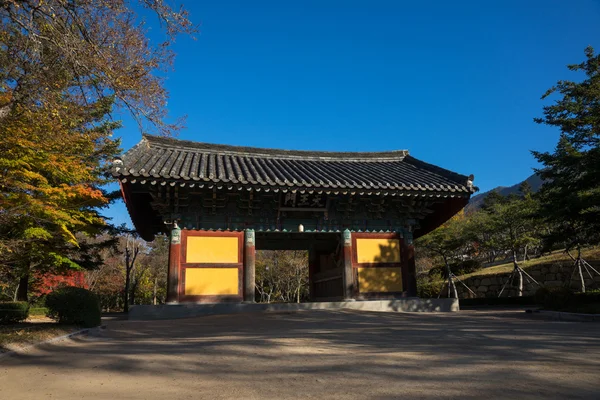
(168, 158)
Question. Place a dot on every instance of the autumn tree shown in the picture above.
(152, 286)
(131, 250)
(64, 67)
(51, 178)
(570, 196)
(86, 51)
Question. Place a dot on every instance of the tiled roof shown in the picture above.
(178, 160)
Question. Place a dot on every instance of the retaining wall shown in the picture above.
(550, 275)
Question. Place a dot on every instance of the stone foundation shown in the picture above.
(172, 311)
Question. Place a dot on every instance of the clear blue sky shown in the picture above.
(456, 83)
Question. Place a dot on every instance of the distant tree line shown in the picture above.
(282, 276)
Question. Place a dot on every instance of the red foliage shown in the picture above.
(47, 283)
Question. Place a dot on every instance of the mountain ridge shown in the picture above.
(534, 181)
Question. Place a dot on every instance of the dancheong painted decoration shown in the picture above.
(356, 213)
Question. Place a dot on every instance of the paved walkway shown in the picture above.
(317, 354)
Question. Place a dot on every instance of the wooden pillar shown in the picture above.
(249, 265)
(409, 265)
(174, 259)
(348, 274)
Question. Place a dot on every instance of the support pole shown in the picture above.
(174, 260)
(348, 271)
(249, 266)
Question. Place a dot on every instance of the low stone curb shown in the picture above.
(188, 310)
(567, 316)
(25, 349)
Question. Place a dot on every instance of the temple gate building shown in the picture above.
(356, 214)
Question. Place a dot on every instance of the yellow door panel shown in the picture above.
(211, 281)
(379, 280)
(377, 250)
(212, 250)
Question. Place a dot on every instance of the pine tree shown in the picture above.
(570, 195)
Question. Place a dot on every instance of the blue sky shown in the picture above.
(456, 83)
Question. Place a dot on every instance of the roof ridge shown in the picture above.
(166, 158)
(394, 155)
(446, 173)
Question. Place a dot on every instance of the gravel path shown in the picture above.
(317, 354)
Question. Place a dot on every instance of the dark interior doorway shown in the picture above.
(324, 258)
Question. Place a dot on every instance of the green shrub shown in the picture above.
(73, 305)
(459, 268)
(554, 298)
(540, 295)
(589, 297)
(428, 290)
(38, 311)
(466, 267)
(14, 311)
(438, 272)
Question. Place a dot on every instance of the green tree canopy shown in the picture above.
(570, 196)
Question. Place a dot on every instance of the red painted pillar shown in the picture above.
(348, 274)
(249, 265)
(174, 260)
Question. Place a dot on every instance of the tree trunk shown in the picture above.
(581, 278)
(134, 285)
(520, 275)
(520, 293)
(155, 284)
(454, 291)
(451, 287)
(126, 294)
(16, 291)
(23, 288)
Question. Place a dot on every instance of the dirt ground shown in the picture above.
(317, 354)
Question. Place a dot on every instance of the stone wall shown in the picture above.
(553, 274)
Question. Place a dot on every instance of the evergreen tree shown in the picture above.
(508, 225)
(570, 196)
(450, 242)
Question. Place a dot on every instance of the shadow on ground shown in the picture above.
(320, 354)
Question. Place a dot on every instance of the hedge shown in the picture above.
(562, 298)
(73, 305)
(498, 301)
(429, 290)
(14, 311)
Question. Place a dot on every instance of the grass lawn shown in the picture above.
(557, 257)
(34, 330)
